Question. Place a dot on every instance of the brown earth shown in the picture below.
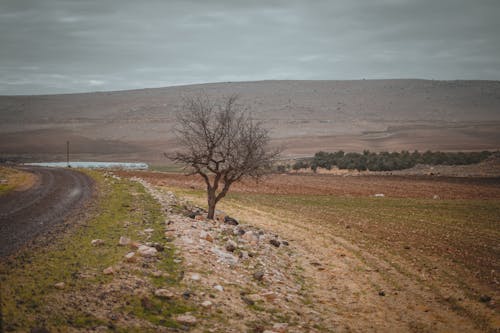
(310, 184)
(409, 262)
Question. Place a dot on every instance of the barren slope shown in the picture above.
(305, 116)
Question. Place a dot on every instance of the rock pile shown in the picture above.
(233, 267)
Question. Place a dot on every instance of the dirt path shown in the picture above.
(26, 214)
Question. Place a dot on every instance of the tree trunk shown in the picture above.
(211, 204)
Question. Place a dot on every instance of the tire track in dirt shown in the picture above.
(27, 214)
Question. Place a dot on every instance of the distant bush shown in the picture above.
(388, 161)
(301, 164)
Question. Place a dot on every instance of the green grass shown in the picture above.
(27, 281)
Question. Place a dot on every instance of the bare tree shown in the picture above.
(222, 144)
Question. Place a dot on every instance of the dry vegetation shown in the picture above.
(13, 179)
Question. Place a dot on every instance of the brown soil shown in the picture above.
(390, 186)
(371, 275)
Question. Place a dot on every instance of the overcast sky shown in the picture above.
(59, 46)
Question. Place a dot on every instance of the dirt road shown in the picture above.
(26, 214)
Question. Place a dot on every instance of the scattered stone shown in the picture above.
(187, 294)
(124, 241)
(60, 285)
(280, 327)
(435, 197)
(199, 218)
(230, 221)
(315, 263)
(484, 298)
(149, 230)
(220, 215)
(97, 242)
(244, 255)
(407, 247)
(192, 215)
(186, 319)
(159, 247)
(135, 245)
(108, 271)
(218, 287)
(379, 195)
(130, 257)
(254, 297)
(269, 296)
(157, 273)
(164, 293)
(381, 293)
(250, 237)
(259, 275)
(247, 300)
(275, 242)
(285, 243)
(206, 304)
(225, 257)
(147, 251)
(231, 246)
(195, 277)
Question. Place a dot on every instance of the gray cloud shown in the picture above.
(57, 46)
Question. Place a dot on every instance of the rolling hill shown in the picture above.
(303, 116)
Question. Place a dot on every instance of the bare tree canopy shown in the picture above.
(222, 144)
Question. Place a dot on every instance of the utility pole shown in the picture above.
(67, 153)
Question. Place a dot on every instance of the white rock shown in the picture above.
(186, 319)
(225, 257)
(60, 285)
(147, 251)
(130, 257)
(97, 242)
(379, 195)
(195, 277)
(280, 327)
(124, 241)
(250, 237)
(244, 255)
(218, 287)
(108, 271)
(164, 293)
(149, 230)
(206, 304)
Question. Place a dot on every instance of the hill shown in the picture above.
(304, 117)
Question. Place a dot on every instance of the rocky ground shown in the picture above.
(244, 278)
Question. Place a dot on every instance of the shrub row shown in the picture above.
(387, 161)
